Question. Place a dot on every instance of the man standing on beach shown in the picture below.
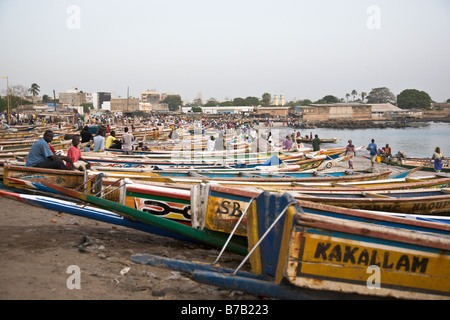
(127, 139)
(372, 147)
(316, 143)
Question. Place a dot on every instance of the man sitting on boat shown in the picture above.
(41, 156)
(112, 142)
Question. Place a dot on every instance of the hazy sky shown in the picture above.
(227, 49)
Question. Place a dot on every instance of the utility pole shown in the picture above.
(54, 99)
(8, 100)
(128, 95)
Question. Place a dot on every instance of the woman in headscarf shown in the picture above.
(437, 156)
(348, 149)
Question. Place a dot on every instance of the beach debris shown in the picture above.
(124, 271)
(85, 242)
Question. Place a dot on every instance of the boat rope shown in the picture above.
(120, 186)
(91, 179)
(234, 230)
(291, 203)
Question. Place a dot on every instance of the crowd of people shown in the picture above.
(41, 154)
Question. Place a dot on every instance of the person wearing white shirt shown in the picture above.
(211, 144)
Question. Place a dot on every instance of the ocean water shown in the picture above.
(417, 141)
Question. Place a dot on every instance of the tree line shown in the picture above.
(407, 99)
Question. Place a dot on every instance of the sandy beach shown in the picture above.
(37, 246)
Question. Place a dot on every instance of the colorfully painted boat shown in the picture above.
(90, 212)
(271, 181)
(424, 201)
(209, 237)
(329, 140)
(412, 258)
(303, 250)
(67, 178)
(427, 164)
(220, 208)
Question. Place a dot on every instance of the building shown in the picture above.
(321, 112)
(278, 101)
(150, 96)
(274, 111)
(99, 99)
(221, 109)
(355, 111)
(72, 98)
(148, 107)
(124, 104)
(389, 111)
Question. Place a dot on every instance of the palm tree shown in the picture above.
(363, 96)
(354, 94)
(34, 89)
(347, 96)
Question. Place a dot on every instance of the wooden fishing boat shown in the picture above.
(238, 245)
(166, 202)
(143, 162)
(301, 250)
(376, 185)
(82, 210)
(424, 201)
(329, 140)
(412, 257)
(427, 164)
(59, 145)
(219, 208)
(273, 181)
(223, 173)
(64, 177)
(67, 178)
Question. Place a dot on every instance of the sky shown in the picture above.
(227, 49)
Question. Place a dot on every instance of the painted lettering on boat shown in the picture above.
(416, 207)
(355, 255)
(386, 207)
(431, 206)
(232, 208)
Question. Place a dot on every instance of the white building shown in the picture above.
(221, 109)
(387, 110)
(278, 101)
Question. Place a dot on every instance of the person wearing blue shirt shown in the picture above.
(41, 156)
(372, 147)
(99, 140)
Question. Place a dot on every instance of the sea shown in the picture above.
(419, 140)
